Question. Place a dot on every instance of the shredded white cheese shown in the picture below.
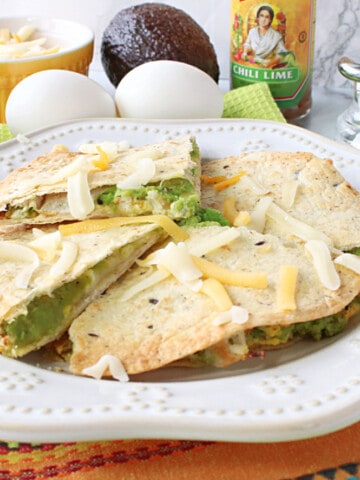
(213, 243)
(289, 190)
(112, 149)
(350, 261)
(16, 253)
(145, 170)
(294, 226)
(148, 152)
(223, 238)
(110, 362)
(46, 245)
(176, 258)
(323, 264)
(258, 215)
(79, 196)
(254, 185)
(236, 314)
(67, 258)
(144, 283)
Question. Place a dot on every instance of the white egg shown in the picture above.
(53, 96)
(166, 89)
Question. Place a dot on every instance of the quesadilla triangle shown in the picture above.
(47, 278)
(213, 287)
(110, 180)
(285, 194)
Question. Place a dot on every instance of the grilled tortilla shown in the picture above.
(163, 322)
(304, 187)
(47, 279)
(161, 178)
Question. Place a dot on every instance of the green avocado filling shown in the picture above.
(260, 338)
(277, 335)
(48, 316)
(176, 198)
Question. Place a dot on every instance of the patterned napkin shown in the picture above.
(252, 101)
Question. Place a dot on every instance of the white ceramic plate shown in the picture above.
(299, 392)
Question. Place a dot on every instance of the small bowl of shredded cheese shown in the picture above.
(31, 44)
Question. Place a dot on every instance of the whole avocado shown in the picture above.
(154, 31)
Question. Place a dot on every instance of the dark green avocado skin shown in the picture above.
(154, 31)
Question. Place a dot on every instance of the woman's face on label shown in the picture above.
(264, 18)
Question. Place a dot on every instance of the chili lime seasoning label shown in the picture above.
(273, 43)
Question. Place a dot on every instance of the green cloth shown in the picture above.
(5, 133)
(252, 101)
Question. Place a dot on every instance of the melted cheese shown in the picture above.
(66, 260)
(350, 261)
(235, 314)
(145, 171)
(114, 364)
(16, 253)
(89, 226)
(286, 288)
(231, 277)
(79, 196)
(323, 264)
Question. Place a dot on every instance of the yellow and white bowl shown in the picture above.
(75, 43)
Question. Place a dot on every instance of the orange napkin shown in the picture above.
(334, 456)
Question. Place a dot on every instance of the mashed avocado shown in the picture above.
(48, 316)
(268, 337)
(277, 335)
(176, 198)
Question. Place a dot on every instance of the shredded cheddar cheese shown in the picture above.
(58, 147)
(229, 209)
(217, 292)
(286, 288)
(219, 186)
(208, 180)
(101, 163)
(243, 218)
(230, 277)
(90, 226)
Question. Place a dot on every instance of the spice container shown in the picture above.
(274, 43)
